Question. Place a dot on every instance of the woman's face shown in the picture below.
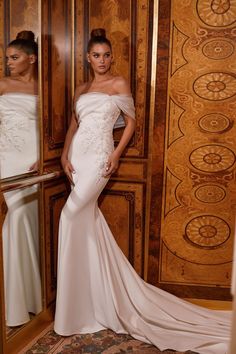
(100, 58)
(18, 61)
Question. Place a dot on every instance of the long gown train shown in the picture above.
(97, 286)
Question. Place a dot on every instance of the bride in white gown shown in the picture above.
(19, 154)
(97, 287)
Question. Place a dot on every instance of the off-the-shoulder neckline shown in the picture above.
(18, 94)
(105, 93)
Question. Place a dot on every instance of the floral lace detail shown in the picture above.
(96, 134)
(11, 134)
(100, 142)
(97, 113)
(17, 114)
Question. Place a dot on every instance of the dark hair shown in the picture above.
(25, 41)
(98, 36)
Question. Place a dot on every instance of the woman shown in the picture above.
(18, 155)
(97, 287)
(19, 94)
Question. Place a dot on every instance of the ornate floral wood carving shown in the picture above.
(199, 154)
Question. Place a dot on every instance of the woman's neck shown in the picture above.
(26, 77)
(101, 78)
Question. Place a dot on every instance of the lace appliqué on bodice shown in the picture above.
(97, 114)
(96, 135)
(17, 111)
(10, 134)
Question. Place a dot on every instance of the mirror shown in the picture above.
(19, 156)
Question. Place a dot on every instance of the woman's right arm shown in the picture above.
(66, 164)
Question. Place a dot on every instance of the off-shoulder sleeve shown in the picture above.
(126, 105)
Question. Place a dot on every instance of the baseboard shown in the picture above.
(212, 304)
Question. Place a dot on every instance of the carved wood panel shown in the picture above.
(197, 220)
(55, 195)
(122, 205)
(56, 74)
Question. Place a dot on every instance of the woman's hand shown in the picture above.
(68, 169)
(111, 165)
(34, 167)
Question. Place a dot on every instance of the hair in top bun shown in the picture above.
(27, 35)
(98, 36)
(25, 41)
(98, 32)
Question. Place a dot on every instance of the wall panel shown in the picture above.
(22, 16)
(56, 72)
(15, 16)
(197, 223)
(55, 195)
(122, 204)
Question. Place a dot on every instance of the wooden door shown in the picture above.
(193, 184)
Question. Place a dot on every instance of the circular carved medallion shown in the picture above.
(215, 86)
(210, 194)
(207, 231)
(200, 239)
(214, 123)
(218, 49)
(217, 13)
(212, 158)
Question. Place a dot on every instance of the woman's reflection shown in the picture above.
(19, 154)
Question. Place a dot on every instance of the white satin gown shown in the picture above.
(20, 236)
(97, 286)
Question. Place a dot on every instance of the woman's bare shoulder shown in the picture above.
(80, 89)
(4, 83)
(121, 85)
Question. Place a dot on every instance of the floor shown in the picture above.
(103, 342)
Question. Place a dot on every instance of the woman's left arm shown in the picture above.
(120, 86)
(113, 161)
